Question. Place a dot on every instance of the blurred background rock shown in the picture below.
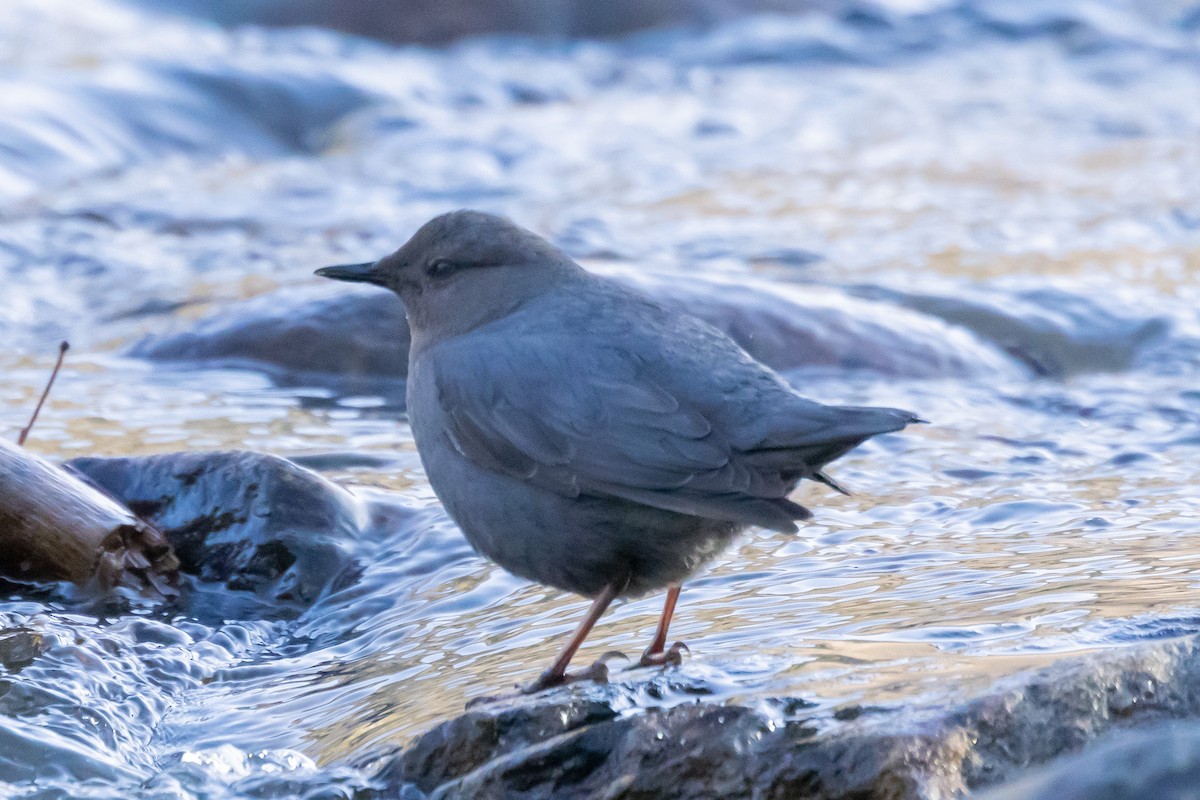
(440, 21)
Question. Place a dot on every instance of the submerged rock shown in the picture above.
(19, 647)
(278, 534)
(357, 342)
(616, 741)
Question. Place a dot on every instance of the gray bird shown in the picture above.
(585, 437)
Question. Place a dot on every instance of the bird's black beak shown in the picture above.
(355, 273)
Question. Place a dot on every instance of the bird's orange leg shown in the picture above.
(655, 655)
(557, 675)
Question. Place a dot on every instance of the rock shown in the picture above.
(800, 326)
(253, 523)
(1162, 763)
(459, 746)
(1055, 332)
(357, 342)
(432, 22)
(19, 647)
(656, 738)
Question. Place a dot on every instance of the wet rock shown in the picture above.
(19, 647)
(429, 21)
(867, 33)
(354, 340)
(278, 534)
(800, 326)
(1162, 763)
(357, 342)
(615, 742)
(1055, 332)
(461, 745)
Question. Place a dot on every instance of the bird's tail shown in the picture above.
(807, 456)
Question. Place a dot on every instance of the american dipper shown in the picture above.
(585, 437)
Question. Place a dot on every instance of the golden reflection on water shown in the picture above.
(96, 409)
(967, 607)
(903, 589)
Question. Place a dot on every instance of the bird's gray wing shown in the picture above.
(597, 421)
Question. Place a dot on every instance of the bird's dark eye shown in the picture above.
(440, 268)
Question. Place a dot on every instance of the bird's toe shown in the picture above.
(547, 680)
(671, 657)
(597, 672)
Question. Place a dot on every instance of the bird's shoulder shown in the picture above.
(601, 337)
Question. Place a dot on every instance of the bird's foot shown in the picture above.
(597, 672)
(671, 657)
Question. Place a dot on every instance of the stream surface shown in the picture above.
(1040, 160)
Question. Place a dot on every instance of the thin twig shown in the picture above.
(62, 351)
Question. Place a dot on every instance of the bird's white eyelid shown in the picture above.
(440, 268)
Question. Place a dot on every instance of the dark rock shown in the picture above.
(255, 523)
(431, 21)
(19, 647)
(464, 743)
(1160, 763)
(610, 742)
(357, 342)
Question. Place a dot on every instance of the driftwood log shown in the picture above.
(55, 527)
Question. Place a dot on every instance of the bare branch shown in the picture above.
(62, 351)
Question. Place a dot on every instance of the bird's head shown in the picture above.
(462, 270)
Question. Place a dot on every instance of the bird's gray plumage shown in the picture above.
(578, 431)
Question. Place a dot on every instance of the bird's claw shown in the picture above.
(596, 672)
(671, 657)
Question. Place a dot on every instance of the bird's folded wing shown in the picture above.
(604, 427)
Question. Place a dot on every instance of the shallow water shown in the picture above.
(153, 169)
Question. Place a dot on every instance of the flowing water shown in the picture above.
(973, 161)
